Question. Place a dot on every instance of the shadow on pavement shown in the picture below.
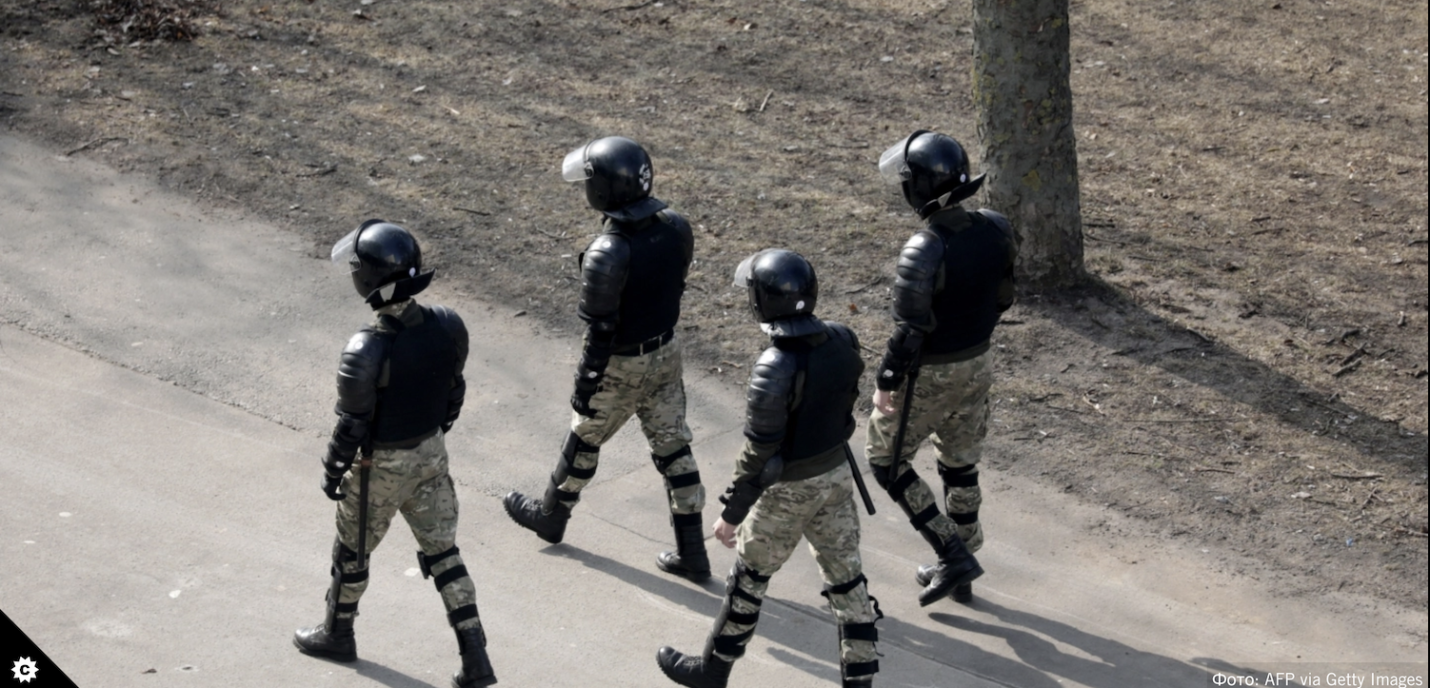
(677, 591)
(1116, 665)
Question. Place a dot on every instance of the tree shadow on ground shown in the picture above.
(1205, 362)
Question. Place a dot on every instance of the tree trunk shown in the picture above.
(1020, 83)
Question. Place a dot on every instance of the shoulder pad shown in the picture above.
(917, 277)
(682, 228)
(359, 370)
(921, 255)
(452, 324)
(606, 253)
(769, 396)
(604, 267)
(842, 332)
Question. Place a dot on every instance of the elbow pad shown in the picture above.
(348, 436)
(740, 497)
(899, 357)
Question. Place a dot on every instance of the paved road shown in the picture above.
(165, 386)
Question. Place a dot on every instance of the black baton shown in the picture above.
(859, 480)
(904, 415)
(364, 469)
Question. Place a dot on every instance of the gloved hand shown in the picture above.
(332, 487)
(581, 398)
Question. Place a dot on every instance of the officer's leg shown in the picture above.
(764, 542)
(614, 404)
(334, 637)
(833, 536)
(662, 416)
(431, 511)
(956, 565)
(959, 441)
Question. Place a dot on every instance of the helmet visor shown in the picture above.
(893, 167)
(745, 270)
(574, 167)
(346, 249)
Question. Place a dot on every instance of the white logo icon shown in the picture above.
(25, 670)
(645, 177)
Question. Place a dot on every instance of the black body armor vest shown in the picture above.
(966, 303)
(829, 372)
(422, 361)
(650, 302)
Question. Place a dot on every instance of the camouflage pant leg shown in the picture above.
(614, 403)
(833, 535)
(650, 386)
(959, 442)
(820, 509)
(662, 416)
(764, 541)
(431, 512)
(390, 481)
(924, 416)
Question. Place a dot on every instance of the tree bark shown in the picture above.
(1020, 82)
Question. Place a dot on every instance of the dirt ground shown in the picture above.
(1245, 368)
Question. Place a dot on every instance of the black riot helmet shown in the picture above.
(932, 168)
(385, 261)
(782, 289)
(618, 175)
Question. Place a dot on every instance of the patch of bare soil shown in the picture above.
(1247, 367)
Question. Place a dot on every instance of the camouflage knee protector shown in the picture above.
(349, 581)
(726, 637)
(687, 495)
(910, 493)
(857, 639)
(453, 584)
(962, 497)
(568, 479)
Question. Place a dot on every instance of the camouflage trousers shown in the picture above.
(821, 510)
(950, 407)
(651, 388)
(414, 482)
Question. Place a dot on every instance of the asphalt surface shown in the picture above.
(166, 390)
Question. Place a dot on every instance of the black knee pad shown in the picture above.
(675, 482)
(426, 562)
(962, 476)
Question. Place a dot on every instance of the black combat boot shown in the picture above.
(708, 671)
(332, 639)
(956, 566)
(962, 594)
(547, 518)
(476, 668)
(689, 560)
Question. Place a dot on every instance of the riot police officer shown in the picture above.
(794, 478)
(632, 280)
(400, 389)
(955, 276)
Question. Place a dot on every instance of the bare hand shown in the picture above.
(725, 533)
(884, 401)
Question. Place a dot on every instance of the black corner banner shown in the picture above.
(23, 664)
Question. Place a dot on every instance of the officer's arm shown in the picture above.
(1007, 287)
(767, 404)
(914, 286)
(604, 268)
(456, 329)
(358, 372)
